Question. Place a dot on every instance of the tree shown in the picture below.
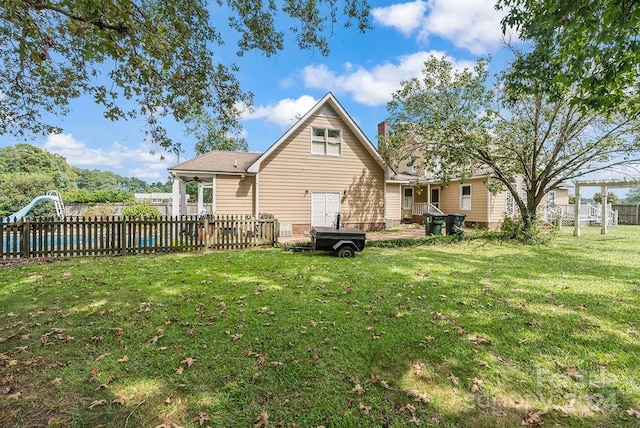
(612, 198)
(158, 54)
(590, 48)
(633, 197)
(25, 158)
(213, 135)
(18, 189)
(462, 127)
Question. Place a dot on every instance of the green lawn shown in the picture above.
(473, 333)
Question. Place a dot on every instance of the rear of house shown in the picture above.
(321, 167)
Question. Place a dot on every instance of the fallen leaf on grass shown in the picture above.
(119, 400)
(56, 381)
(533, 418)
(410, 408)
(14, 396)
(418, 396)
(477, 384)
(180, 370)
(358, 389)
(188, 361)
(262, 420)
(102, 356)
(97, 403)
(478, 340)
(237, 336)
(454, 380)
(123, 359)
(633, 412)
(201, 418)
(365, 410)
(483, 363)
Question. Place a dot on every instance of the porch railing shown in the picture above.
(419, 208)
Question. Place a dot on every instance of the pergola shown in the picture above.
(604, 185)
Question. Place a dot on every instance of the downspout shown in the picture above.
(256, 193)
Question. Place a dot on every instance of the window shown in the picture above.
(325, 141)
(412, 164)
(465, 197)
(551, 198)
(408, 198)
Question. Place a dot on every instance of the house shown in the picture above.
(413, 190)
(323, 165)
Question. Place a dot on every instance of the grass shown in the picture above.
(470, 333)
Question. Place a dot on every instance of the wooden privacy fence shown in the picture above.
(79, 236)
(628, 214)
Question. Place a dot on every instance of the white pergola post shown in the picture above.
(200, 198)
(604, 220)
(179, 199)
(576, 214)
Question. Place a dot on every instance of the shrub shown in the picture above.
(83, 196)
(140, 210)
(101, 210)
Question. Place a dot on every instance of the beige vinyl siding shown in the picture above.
(291, 174)
(394, 201)
(234, 195)
(450, 200)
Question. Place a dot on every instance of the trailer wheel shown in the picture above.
(346, 251)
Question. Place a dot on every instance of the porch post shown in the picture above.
(179, 200)
(200, 198)
(576, 213)
(604, 220)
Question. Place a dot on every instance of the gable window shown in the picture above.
(465, 197)
(412, 164)
(326, 141)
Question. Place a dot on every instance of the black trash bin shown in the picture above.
(455, 224)
(433, 223)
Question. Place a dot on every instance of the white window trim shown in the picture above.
(326, 141)
(551, 200)
(463, 197)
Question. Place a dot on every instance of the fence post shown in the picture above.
(25, 248)
(123, 236)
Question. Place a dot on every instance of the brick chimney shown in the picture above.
(383, 129)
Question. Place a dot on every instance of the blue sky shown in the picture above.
(362, 71)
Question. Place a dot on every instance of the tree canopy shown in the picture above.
(462, 128)
(586, 47)
(158, 54)
(27, 171)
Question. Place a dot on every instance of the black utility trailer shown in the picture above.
(344, 242)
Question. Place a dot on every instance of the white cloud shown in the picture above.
(139, 162)
(375, 86)
(285, 113)
(404, 17)
(469, 24)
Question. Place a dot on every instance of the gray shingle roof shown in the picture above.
(218, 161)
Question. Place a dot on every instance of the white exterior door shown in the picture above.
(324, 208)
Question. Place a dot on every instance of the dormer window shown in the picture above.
(326, 141)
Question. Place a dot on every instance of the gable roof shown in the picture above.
(330, 100)
(218, 161)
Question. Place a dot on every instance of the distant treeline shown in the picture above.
(27, 171)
